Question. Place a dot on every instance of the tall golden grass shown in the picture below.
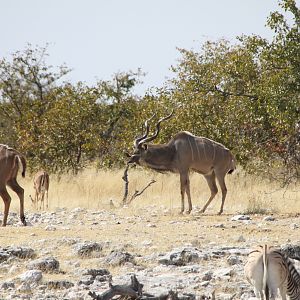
(94, 189)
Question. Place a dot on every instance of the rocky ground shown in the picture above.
(65, 254)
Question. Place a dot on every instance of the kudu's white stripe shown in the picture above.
(192, 151)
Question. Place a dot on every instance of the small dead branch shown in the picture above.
(132, 291)
(138, 193)
(125, 178)
(232, 296)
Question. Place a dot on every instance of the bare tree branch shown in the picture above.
(138, 193)
(125, 178)
(132, 291)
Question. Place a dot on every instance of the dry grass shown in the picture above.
(94, 190)
(159, 205)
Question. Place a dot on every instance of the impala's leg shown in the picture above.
(47, 203)
(6, 199)
(47, 190)
(42, 200)
(20, 192)
(221, 180)
(211, 181)
(36, 199)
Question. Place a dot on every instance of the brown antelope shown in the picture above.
(41, 187)
(268, 270)
(185, 152)
(10, 160)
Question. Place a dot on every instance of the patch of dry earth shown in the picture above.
(147, 234)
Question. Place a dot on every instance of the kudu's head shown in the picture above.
(141, 150)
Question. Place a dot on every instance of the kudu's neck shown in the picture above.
(160, 157)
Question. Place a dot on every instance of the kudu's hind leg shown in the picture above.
(6, 199)
(211, 181)
(185, 188)
(20, 192)
(221, 180)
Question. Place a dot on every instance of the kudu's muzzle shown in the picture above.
(134, 159)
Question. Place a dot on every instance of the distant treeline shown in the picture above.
(245, 95)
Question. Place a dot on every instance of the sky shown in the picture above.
(98, 38)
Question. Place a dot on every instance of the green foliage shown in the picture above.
(244, 95)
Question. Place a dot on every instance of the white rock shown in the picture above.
(240, 218)
(13, 269)
(151, 225)
(241, 239)
(223, 272)
(269, 218)
(233, 260)
(147, 243)
(294, 226)
(24, 288)
(50, 228)
(31, 276)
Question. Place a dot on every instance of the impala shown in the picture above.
(41, 187)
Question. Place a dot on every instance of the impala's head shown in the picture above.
(141, 148)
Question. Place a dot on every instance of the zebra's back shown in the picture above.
(268, 269)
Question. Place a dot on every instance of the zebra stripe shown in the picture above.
(289, 277)
(293, 280)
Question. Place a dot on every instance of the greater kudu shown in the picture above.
(41, 186)
(185, 152)
(10, 160)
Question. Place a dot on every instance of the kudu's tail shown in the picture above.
(19, 159)
(232, 165)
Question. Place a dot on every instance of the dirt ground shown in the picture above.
(141, 232)
(80, 211)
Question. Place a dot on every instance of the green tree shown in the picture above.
(26, 85)
(246, 95)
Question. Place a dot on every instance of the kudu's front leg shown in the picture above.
(185, 188)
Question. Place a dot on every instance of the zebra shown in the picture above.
(269, 269)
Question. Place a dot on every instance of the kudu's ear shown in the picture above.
(126, 154)
(145, 146)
